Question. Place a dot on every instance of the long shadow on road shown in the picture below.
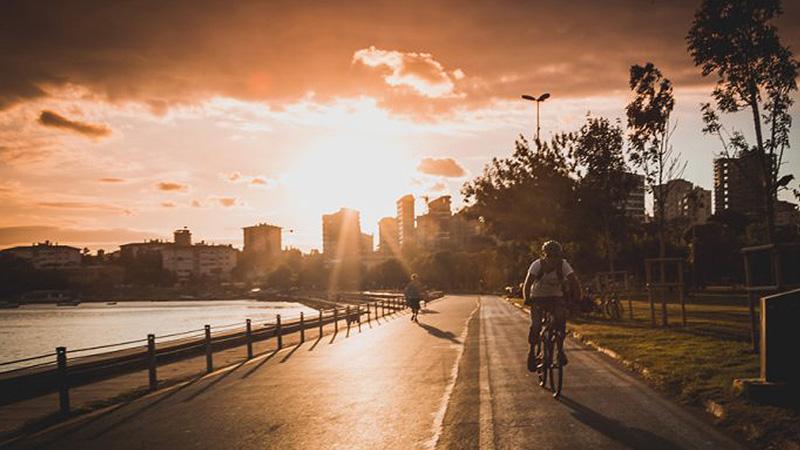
(441, 334)
(615, 430)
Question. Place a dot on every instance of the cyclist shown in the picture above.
(549, 283)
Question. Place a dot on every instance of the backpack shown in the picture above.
(559, 273)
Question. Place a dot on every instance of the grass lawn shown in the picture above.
(697, 363)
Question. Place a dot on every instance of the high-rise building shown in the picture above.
(736, 186)
(696, 205)
(367, 244)
(433, 228)
(388, 239)
(183, 237)
(406, 229)
(673, 193)
(341, 234)
(262, 239)
(634, 202)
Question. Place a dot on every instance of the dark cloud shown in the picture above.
(442, 167)
(28, 234)
(169, 186)
(55, 120)
(166, 53)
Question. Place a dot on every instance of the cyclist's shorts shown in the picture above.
(548, 302)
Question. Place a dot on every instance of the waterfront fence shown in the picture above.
(69, 368)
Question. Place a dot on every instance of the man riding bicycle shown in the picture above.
(548, 285)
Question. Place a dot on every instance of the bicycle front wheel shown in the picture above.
(557, 375)
(541, 371)
(549, 364)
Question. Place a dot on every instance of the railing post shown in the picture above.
(279, 331)
(358, 315)
(63, 381)
(249, 338)
(335, 320)
(151, 361)
(209, 357)
(347, 319)
(369, 315)
(320, 324)
(383, 308)
(302, 328)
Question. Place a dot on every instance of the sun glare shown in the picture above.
(364, 173)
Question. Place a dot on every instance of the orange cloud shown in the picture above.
(258, 181)
(419, 71)
(442, 167)
(438, 187)
(83, 206)
(227, 202)
(55, 120)
(169, 186)
(168, 204)
(111, 180)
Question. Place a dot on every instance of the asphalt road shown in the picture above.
(456, 380)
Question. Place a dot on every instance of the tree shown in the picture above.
(735, 40)
(282, 278)
(604, 184)
(526, 197)
(649, 135)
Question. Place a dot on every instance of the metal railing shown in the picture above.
(64, 370)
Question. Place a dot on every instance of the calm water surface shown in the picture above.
(32, 330)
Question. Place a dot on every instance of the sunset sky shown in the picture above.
(121, 121)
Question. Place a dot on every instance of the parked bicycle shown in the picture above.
(550, 370)
(613, 307)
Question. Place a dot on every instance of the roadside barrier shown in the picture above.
(58, 372)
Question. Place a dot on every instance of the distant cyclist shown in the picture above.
(413, 293)
(549, 282)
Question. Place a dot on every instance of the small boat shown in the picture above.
(111, 303)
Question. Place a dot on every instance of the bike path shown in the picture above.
(601, 405)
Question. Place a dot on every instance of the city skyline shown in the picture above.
(216, 139)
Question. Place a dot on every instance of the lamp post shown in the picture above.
(538, 100)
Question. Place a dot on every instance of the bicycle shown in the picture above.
(614, 307)
(547, 370)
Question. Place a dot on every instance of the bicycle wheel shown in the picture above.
(557, 374)
(548, 363)
(540, 369)
(612, 310)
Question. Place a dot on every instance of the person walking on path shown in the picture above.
(413, 293)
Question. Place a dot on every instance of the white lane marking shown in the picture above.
(486, 418)
(438, 418)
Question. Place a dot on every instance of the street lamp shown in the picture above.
(538, 100)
